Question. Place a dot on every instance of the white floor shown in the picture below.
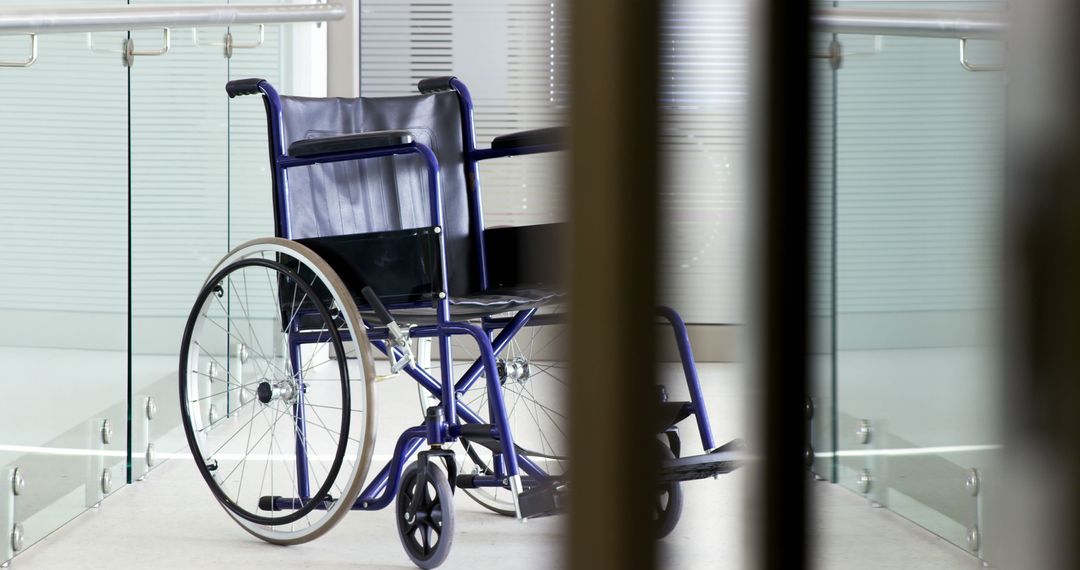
(171, 521)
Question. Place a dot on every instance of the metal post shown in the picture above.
(343, 53)
(780, 316)
(613, 205)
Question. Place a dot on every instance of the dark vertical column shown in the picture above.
(1040, 497)
(782, 279)
(613, 210)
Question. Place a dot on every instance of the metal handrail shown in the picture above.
(971, 25)
(61, 19)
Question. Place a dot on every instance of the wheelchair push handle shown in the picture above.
(377, 305)
(239, 87)
(436, 84)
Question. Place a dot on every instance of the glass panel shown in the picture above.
(704, 75)
(251, 205)
(64, 296)
(917, 210)
(179, 210)
(822, 316)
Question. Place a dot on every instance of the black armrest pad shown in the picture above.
(550, 136)
(347, 143)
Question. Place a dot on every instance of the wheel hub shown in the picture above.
(284, 390)
(518, 369)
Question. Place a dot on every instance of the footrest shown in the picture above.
(270, 503)
(278, 503)
(544, 500)
(723, 459)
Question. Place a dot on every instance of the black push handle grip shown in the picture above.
(377, 305)
(435, 84)
(240, 87)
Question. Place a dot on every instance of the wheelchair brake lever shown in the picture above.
(398, 338)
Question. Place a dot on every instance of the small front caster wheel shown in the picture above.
(667, 508)
(426, 526)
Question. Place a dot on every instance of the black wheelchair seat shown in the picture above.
(403, 267)
(475, 306)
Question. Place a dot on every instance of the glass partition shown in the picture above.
(64, 195)
(179, 217)
(119, 201)
(915, 219)
(821, 404)
(251, 206)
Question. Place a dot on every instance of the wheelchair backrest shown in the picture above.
(381, 194)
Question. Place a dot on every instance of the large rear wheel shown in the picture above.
(280, 428)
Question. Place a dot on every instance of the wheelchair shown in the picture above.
(381, 246)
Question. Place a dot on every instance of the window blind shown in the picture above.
(64, 189)
(919, 144)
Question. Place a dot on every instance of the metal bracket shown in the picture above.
(127, 49)
(229, 42)
(25, 62)
(11, 534)
(90, 45)
(231, 45)
(140, 438)
(130, 52)
(400, 339)
(967, 65)
(100, 435)
(836, 54)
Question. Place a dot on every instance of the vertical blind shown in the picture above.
(513, 56)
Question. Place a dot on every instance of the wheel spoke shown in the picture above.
(243, 459)
(233, 436)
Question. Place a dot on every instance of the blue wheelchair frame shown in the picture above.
(381, 491)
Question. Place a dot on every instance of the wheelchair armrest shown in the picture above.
(554, 136)
(525, 142)
(350, 143)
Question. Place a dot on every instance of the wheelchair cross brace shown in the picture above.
(380, 492)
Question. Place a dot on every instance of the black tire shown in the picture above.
(669, 502)
(434, 518)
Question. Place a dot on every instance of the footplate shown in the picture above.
(723, 459)
(544, 500)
